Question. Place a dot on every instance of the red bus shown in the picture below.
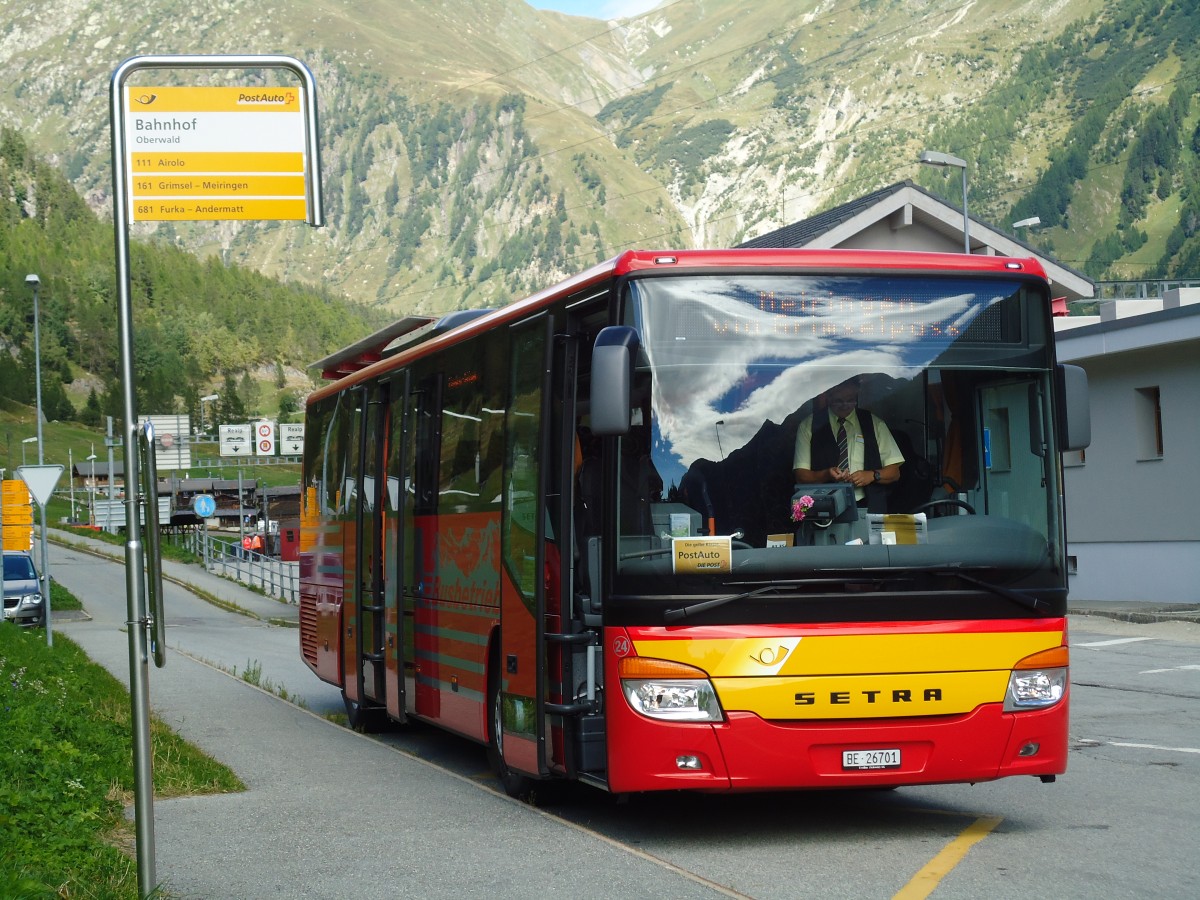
(571, 529)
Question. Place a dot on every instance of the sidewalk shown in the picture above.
(1141, 612)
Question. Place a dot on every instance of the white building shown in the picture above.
(1133, 497)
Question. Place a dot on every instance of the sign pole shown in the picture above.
(135, 572)
(41, 481)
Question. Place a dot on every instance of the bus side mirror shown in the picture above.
(612, 380)
(1074, 412)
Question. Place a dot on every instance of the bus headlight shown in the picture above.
(660, 689)
(1037, 681)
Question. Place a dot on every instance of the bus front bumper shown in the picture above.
(749, 753)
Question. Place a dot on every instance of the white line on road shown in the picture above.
(1155, 747)
(1114, 642)
(1172, 669)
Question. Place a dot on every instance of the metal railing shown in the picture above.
(1140, 290)
(273, 576)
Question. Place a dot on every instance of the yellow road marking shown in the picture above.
(925, 882)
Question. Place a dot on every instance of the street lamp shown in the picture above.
(944, 161)
(28, 440)
(34, 282)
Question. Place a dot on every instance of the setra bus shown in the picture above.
(570, 529)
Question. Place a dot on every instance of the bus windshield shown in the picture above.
(736, 456)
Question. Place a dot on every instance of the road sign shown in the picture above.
(264, 438)
(216, 153)
(172, 450)
(291, 439)
(40, 481)
(236, 440)
(16, 514)
(203, 505)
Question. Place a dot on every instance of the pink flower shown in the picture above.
(800, 506)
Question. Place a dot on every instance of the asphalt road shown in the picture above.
(1123, 822)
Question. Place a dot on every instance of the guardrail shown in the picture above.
(1147, 289)
(273, 576)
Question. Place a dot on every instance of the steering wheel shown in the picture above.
(945, 501)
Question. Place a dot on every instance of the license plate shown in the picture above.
(871, 759)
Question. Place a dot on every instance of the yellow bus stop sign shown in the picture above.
(216, 153)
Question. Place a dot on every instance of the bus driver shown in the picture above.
(841, 442)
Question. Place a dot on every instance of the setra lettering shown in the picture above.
(897, 696)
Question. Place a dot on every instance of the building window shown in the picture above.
(1072, 565)
(1074, 458)
(1148, 421)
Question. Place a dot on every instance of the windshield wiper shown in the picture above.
(675, 615)
(999, 590)
(1022, 600)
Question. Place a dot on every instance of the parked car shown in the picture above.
(22, 589)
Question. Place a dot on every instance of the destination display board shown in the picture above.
(216, 153)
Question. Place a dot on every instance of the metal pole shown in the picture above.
(35, 283)
(241, 517)
(966, 218)
(135, 565)
(112, 486)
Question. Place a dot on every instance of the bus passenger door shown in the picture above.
(398, 628)
(363, 624)
(517, 669)
(418, 626)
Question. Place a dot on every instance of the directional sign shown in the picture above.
(237, 440)
(291, 439)
(40, 480)
(264, 438)
(203, 505)
(216, 153)
(17, 515)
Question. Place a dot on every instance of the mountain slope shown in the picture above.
(476, 149)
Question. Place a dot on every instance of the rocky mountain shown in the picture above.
(475, 150)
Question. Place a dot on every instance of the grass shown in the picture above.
(66, 771)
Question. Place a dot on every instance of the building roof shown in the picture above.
(905, 216)
(1124, 326)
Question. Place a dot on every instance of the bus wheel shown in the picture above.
(367, 719)
(514, 784)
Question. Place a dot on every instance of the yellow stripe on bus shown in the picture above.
(838, 654)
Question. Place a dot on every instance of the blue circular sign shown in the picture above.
(204, 505)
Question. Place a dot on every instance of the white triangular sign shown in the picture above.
(40, 480)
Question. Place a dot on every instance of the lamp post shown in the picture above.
(28, 440)
(206, 399)
(944, 161)
(34, 282)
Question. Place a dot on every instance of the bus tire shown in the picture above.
(514, 784)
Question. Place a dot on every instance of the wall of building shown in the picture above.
(1133, 512)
